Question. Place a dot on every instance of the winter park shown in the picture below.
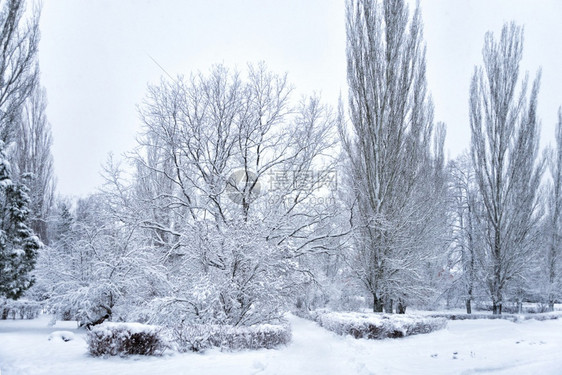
(292, 187)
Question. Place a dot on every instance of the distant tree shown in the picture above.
(32, 156)
(553, 258)
(504, 147)
(62, 222)
(389, 149)
(466, 234)
(18, 243)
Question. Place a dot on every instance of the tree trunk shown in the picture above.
(496, 308)
(388, 302)
(401, 307)
(468, 306)
(497, 297)
(377, 304)
(551, 306)
(519, 307)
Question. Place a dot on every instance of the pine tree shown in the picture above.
(18, 244)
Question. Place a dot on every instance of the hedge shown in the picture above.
(125, 339)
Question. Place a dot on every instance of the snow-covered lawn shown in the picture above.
(465, 347)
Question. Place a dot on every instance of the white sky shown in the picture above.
(95, 63)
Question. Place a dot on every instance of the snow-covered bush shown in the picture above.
(233, 277)
(20, 309)
(193, 337)
(98, 269)
(448, 316)
(125, 339)
(200, 337)
(511, 317)
(378, 326)
(260, 336)
(544, 316)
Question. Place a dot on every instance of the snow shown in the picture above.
(61, 336)
(129, 327)
(464, 347)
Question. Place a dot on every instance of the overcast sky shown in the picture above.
(95, 59)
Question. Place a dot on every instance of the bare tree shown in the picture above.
(466, 235)
(33, 156)
(389, 148)
(505, 136)
(224, 173)
(19, 39)
(553, 258)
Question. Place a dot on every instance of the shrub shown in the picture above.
(20, 309)
(266, 336)
(375, 326)
(193, 337)
(199, 337)
(125, 339)
(512, 318)
(544, 316)
(538, 309)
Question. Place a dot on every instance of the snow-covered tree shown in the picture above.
(222, 190)
(552, 266)
(19, 40)
(18, 243)
(466, 235)
(95, 269)
(504, 148)
(389, 148)
(19, 37)
(32, 156)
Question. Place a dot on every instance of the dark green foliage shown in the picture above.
(18, 243)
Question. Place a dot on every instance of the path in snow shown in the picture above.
(315, 350)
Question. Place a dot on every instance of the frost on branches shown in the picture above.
(95, 270)
(232, 241)
(233, 278)
(194, 230)
(397, 182)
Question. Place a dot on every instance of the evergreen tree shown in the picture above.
(18, 243)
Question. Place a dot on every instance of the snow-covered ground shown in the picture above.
(465, 347)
